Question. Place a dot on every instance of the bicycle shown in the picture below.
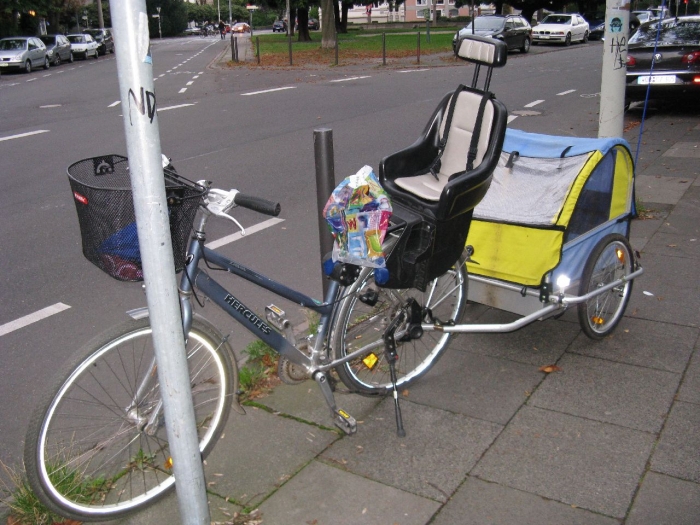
(96, 447)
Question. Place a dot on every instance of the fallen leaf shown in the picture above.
(672, 245)
(548, 369)
(404, 392)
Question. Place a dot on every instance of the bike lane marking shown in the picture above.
(213, 245)
(565, 92)
(32, 318)
(28, 134)
(267, 91)
(534, 103)
(350, 78)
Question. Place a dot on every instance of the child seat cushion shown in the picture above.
(454, 157)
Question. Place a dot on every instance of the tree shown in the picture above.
(173, 15)
(328, 26)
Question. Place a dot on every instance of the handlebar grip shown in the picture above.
(257, 204)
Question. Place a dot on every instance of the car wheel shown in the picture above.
(97, 54)
(47, 64)
(567, 41)
(28, 66)
(585, 37)
(71, 58)
(526, 46)
(57, 60)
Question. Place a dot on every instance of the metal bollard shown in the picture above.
(289, 39)
(325, 183)
(419, 47)
(384, 49)
(257, 47)
(336, 50)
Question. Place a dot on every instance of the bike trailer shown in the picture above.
(551, 200)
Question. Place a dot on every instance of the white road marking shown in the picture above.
(565, 92)
(30, 133)
(31, 80)
(236, 236)
(47, 75)
(511, 118)
(267, 91)
(32, 318)
(50, 106)
(182, 90)
(174, 107)
(190, 83)
(349, 78)
(413, 70)
(114, 104)
(531, 104)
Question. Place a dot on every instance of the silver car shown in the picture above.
(22, 52)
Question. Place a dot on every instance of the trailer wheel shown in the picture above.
(610, 260)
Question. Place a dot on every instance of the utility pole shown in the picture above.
(612, 89)
(100, 17)
(140, 118)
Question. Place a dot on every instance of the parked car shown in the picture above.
(314, 24)
(83, 46)
(240, 27)
(279, 25)
(676, 62)
(22, 52)
(104, 39)
(596, 29)
(514, 30)
(57, 49)
(562, 29)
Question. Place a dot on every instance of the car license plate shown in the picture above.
(3, 65)
(657, 79)
(544, 37)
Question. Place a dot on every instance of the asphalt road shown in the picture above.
(243, 128)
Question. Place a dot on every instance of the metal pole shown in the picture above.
(135, 72)
(612, 89)
(289, 40)
(384, 49)
(419, 47)
(337, 43)
(325, 183)
(257, 47)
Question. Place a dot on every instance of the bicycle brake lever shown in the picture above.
(219, 202)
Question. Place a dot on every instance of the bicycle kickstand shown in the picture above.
(392, 357)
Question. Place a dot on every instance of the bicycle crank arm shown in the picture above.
(341, 418)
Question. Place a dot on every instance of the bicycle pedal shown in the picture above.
(278, 318)
(345, 422)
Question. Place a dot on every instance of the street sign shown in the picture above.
(251, 7)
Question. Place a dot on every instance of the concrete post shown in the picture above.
(135, 71)
(612, 89)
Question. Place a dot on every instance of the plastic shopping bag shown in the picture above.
(358, 213)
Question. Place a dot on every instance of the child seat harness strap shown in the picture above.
(474, 144)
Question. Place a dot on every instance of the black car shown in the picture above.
(514, 30)
(676, 61)
(104, 39)
(279, 25)
(57, 49)
(314, 24)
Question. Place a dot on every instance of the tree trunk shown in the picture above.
(303, 20)
(345, 7)
(328, 34)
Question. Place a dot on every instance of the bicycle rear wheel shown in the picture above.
(361, 326)
(97, 448)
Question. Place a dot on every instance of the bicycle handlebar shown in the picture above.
(257, 204)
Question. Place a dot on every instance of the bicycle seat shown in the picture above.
(437, 181)
(451, 189)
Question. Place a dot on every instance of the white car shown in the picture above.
(83, 46)
(562, 29)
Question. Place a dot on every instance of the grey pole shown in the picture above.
(325, 183)
(135, 72)
(612, 89)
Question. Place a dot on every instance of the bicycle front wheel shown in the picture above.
(97, 448)
(362, 322)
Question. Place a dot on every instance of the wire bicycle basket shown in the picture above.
(103, 199)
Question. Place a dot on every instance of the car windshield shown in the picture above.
(77, 39)
(687, 32)
(48, 40)
(96, 34)
(556, 19)
(8, 45)
(487, 24)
